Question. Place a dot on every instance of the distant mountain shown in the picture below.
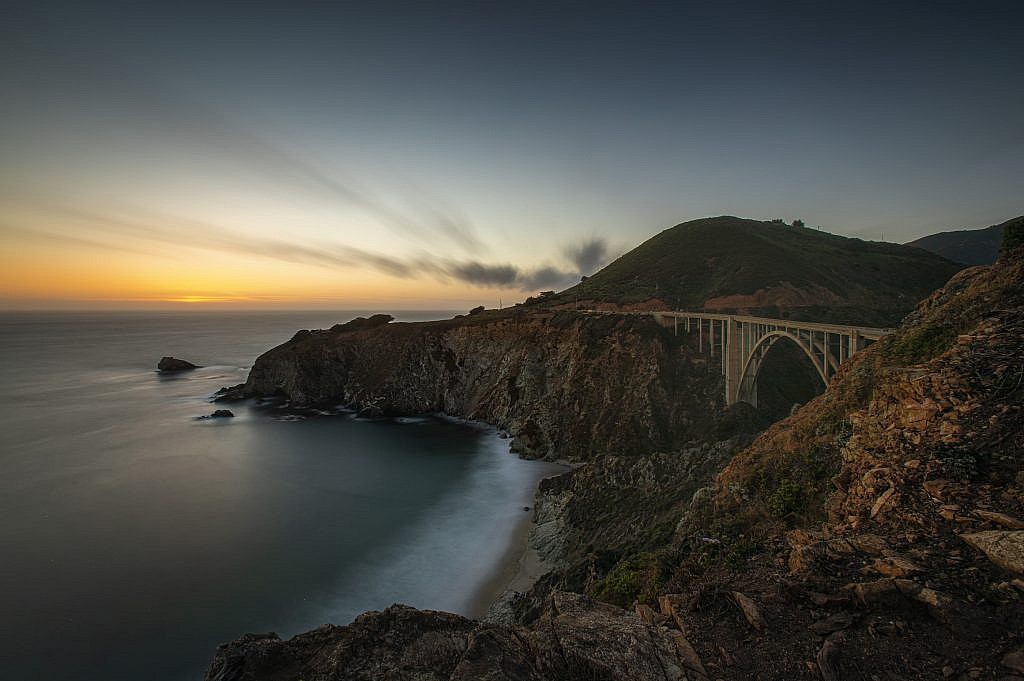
(731, 264)
(967, 246)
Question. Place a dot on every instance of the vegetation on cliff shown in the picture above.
(767, 268)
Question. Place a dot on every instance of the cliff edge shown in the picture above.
(563, 384)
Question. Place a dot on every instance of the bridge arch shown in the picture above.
(743, 341)
(752, 363)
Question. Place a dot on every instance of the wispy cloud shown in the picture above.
(140, 231)
(510, 276)
(589, 255)
(152, 110)
(444, 242)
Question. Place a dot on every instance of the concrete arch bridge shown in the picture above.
(743, 342)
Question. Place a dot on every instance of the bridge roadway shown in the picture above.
(742, 342)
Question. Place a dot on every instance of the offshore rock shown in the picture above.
(170, 365)
(218, 414)
(234, 393)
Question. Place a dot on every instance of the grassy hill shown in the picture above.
(732, 264)
(967, 246)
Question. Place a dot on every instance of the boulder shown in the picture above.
(836, 622)
(828, 661)
(1005, 548)
(673, 605)
(895, 566)
(691, 659)
(646, 613)
(1002, 519)
(750, 610)
(883, 502)
(169, 365)
(590, 640)
(878, 593)
(869, 543)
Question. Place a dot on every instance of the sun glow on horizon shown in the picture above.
(202, 299)
(38, 271)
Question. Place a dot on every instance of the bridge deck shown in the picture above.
(869, 332)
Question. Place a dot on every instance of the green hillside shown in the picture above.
(967, 246)
(738, 265)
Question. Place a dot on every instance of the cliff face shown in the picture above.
(562, 384)
(876, 533)
(880, 529)
(943, 394)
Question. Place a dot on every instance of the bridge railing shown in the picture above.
(869, 332)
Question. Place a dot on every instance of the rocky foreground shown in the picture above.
(878, 533)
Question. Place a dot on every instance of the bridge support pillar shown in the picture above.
(733, 360)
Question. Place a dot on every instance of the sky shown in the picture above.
(439, 155)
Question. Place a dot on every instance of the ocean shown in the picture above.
(134, 538)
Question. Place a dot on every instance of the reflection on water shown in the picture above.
(137, 538)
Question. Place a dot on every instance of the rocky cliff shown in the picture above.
(575, 639)
(879, 528)
(564, 385)
(877, 533)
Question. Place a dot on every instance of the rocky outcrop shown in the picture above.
(218, 414)
(895, 497)
(169, 365)
(565, 384)
(400, 643)
(576, 638)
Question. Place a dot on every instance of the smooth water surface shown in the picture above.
(135, 539)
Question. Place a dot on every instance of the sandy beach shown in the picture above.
(520, 567)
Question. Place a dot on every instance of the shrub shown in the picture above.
(1013, 236)
(637, 578)
(958, 463)
(789, 497)
(922, 343)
